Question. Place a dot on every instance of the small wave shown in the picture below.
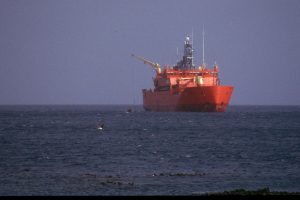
(107, 180)
(179, 174)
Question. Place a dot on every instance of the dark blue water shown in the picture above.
(57, 150)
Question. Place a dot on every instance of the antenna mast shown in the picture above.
(192, 48)
(203, 62)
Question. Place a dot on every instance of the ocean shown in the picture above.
(58, 150)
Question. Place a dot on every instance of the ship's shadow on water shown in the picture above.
(59, 150)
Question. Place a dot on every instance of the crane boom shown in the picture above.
(156, 66)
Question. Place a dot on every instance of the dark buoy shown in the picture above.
(129, 110)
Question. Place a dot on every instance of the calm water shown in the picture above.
(57, 150)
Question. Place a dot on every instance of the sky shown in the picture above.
(79, 51)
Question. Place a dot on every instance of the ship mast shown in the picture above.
(188, 53)
(187, 59)
(192, 48)
(203, 61)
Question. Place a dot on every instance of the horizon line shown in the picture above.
(124, 104)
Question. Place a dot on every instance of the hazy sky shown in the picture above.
(78, 51)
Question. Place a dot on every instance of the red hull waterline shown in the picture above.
(192, 99)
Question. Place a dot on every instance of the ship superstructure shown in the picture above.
(184, 87)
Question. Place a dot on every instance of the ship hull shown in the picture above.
(192, 99)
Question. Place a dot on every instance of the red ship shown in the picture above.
(186, 88)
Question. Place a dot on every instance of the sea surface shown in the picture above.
(58, 150)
